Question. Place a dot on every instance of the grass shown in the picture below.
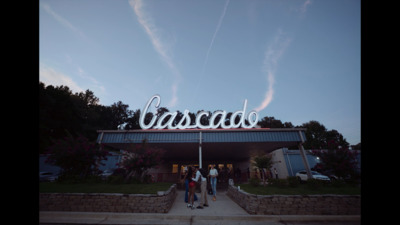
(55, 187)
(301, 189)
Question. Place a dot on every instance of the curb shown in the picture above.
(157, 218)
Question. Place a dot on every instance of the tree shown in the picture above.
(61, 111)
(263, 162)
(133, 121)
(271, 122)
(318, 136)
(138, 159)
(315, 135)
(356, 147)
(339, 160)
(76, 156)
(334, 135)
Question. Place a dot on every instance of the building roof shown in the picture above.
(184, 144)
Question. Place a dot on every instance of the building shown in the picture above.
(289, 162)
(230, 149)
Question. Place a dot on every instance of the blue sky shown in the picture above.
(295, 60)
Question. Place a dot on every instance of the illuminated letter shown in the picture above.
(198, 118)
(188, 120)
(241, 121)
(169, 123)
(251, 123)
(144, 112)
(221, 121)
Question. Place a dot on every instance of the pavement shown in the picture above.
(220, 212)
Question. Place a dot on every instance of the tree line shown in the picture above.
(62, 112)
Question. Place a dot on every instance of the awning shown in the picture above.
(217, 144)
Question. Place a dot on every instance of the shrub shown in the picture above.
(76, 156)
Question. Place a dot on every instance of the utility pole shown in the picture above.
(304, 157)
(200, 158)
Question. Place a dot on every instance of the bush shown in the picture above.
(293, 181)
(76, 156)
(255, 181)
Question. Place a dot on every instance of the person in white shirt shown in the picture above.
(203, 187)
(213, 177)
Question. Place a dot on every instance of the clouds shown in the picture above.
(50, 76)
(63, 21)
(272, 54)
(159, 46)
(303, 8)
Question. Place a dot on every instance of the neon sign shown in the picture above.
(184, 123)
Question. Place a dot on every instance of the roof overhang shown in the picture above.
(217, 144)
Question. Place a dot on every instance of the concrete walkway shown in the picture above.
(220, 212)
(223, 206)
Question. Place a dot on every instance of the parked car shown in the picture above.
(330, 174)
(302, 176)
(47, 176)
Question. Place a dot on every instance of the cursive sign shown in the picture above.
(184, 123)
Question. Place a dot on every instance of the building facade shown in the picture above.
(231, 150)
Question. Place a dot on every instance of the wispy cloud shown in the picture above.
(273, 53)
(158, 45)
(63, 21)
(93, 82)
(50, 76)
(303, 7)
(271, 57)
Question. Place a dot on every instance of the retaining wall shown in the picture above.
(296, 204)
(104, 202)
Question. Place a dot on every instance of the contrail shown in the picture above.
(274, 51)
(158, 45)
(221, 18)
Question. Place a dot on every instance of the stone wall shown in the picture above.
(104, 202)
(296, 204)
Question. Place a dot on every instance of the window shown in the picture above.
(174, 168)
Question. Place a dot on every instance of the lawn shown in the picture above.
(55, 187)
(301, 189)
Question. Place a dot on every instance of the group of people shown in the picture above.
(195, 175)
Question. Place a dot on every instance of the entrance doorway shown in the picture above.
(226, 171)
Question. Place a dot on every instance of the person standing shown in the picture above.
(187, 178)
(276, 173)
(201, 178)
(213, 177)
(192, 187)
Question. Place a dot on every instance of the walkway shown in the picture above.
(224, 206)
(220, 212)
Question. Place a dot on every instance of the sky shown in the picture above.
(295, 60)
